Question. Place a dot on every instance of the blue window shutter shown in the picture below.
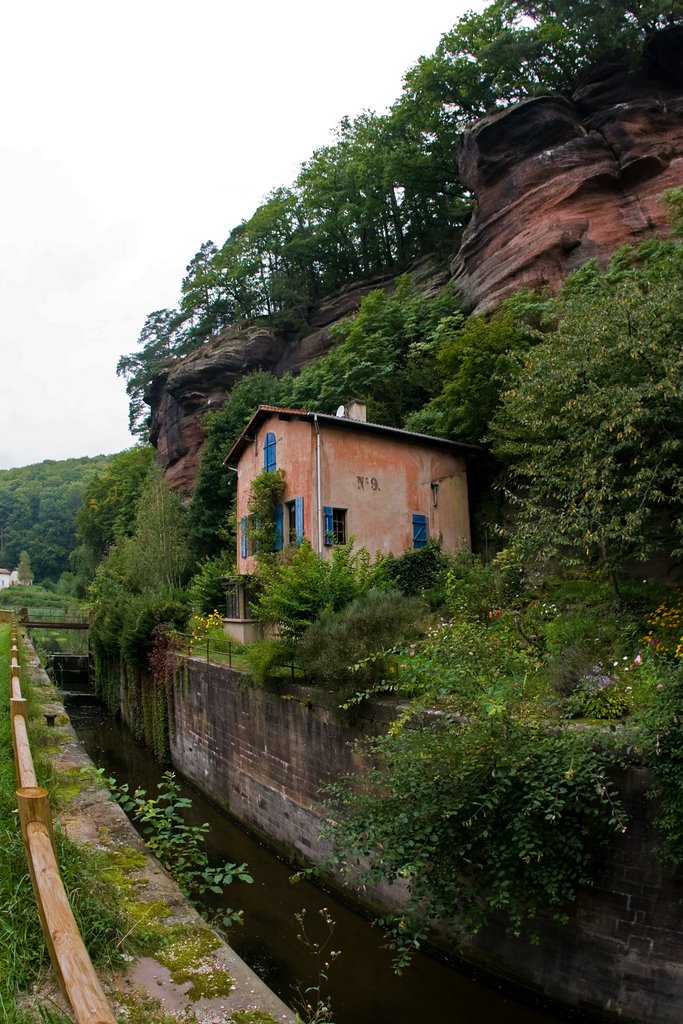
(299, 519)
(243, 536)
(278, 527)
(419, 531)
(328, 532)
(269, 459)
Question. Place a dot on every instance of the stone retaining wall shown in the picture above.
(265, 756)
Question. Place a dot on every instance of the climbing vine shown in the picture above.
(266, 494)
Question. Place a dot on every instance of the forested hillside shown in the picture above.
(38, 506)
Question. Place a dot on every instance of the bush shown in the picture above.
(144, 614)
(377, 619)
(418, 571)
(264, 656)
(207, 588)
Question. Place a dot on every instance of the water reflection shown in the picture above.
(362, 985)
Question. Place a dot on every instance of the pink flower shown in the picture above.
(660, 686)
(637, 660)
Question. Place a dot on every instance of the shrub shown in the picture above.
(144, 613)
(417, 571)
(330, 647)
(207, 587)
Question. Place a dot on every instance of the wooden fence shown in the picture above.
(70, 959)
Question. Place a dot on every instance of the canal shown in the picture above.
(362, 986)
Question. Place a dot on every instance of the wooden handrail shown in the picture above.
(70, 960)
(69, 956)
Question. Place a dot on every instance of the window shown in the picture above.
(247, 525)
(335, 525)
(419, 531)
(269, 453)
(294, 521)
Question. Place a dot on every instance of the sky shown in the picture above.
(133, 132)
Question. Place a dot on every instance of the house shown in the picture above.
(389, 489)
(5, 578)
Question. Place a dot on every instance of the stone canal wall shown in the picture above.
(264, 757)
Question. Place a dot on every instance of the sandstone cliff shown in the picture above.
(558, 180)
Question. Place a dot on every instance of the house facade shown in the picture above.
(389, 489)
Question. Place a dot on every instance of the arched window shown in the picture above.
(269, 455)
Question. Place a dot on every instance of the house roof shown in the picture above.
(264, 412)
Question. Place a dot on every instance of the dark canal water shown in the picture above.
(362, 985)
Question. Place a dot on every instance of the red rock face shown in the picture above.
(202, 381)
(557, 180)
(561, 180)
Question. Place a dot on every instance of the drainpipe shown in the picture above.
(317, 472)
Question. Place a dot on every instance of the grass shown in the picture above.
(22, 948)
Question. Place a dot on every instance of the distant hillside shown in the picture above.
(37, 508)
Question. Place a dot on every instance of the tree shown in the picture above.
(593, 425)
(160, 555)
(24, 571)
(109, 507)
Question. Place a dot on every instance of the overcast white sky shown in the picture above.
(133, 132)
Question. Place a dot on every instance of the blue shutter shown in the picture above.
(269, 459)
(328, 532)
(419, 531)
(299, 519)
(278, 527)
(243, 536)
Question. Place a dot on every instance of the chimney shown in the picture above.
(356, 410)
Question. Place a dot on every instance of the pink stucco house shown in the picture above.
(389, 489)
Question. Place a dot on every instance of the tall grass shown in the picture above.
(22, 947)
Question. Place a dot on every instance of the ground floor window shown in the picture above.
(335, 525)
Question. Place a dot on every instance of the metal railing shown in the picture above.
(70, 960)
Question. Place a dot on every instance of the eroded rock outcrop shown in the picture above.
(558, 180)
(180, 398)
(562, 180)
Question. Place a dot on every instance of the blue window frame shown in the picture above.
(334, 523)
(299, 519)
(279, 518)
(243, 536)
(419, 531)
(269, 452)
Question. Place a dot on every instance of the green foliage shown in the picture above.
(661, 737)
(298, 587)
(293, 591)
(385, 192)
(475, 358)
(38, 505)
(385, 355)
(22, 948)
(493, 818)
(335, 643)
(265, 495)
(214, 491)
(109, 506)
(478, 590)
(143, 615)
(265, 656)
(177, 844)
(418, 570)
(593, 425)
(206, 589)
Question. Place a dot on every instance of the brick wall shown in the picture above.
(264, 757)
